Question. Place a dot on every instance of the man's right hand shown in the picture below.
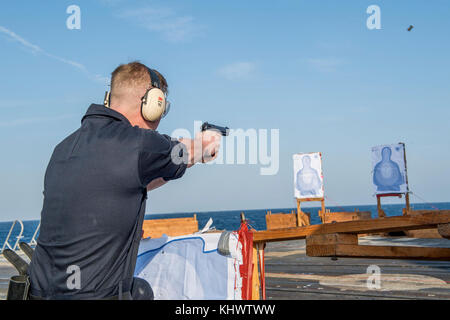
(204, 147)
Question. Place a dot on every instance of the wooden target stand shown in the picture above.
(304, 218)
(300, 218)
(381, 213)
(436, 232)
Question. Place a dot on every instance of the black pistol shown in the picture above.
(208, 126)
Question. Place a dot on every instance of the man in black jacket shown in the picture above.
(96, 187)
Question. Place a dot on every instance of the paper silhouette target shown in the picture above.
(389, 169)
(308, 177)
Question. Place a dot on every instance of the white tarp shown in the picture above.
(190, 267)
(389, 169)
(308, 177)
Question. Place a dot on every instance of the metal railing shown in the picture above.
(33, 239)
(20, 236)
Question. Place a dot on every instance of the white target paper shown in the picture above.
(308, 177)
(389, 169)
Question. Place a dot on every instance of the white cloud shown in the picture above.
(237, 70)
(21, 40)
(38, 50)
(173, 27)
(325, 64)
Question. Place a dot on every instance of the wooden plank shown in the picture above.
(324, 245)
(157, 222)
(444, 230)
(322, 209)
(318, 250)
(418, 212)
(333, 238)
(330, 217)
(380, 252)
(303, 218)
(262, 273)
(424, 233)
(310, 199)
(172, 231)
(427, 220)
(381, 213)
(155, 228)
(281, 220)
(408, 205)
(255, 274)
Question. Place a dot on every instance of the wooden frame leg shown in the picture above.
(302, 218)
(408, 206)
(255, 273)
(261, 247)
(381, 213)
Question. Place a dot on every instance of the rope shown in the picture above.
(336, 204)
(430, 204)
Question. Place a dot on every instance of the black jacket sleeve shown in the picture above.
(161, 157)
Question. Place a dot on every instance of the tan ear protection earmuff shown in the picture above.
(154, 103)
(106, 99)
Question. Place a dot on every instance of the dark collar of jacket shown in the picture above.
(99, 110)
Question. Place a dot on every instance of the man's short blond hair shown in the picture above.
(131, 76)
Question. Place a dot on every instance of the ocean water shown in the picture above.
(230, 220)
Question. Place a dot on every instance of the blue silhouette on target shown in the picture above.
(308, 180)
(386, 174)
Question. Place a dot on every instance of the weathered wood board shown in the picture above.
(431, 233)
(155, 228)
(444, 230)
(330, 217)
(379, 252)
(281, 220)
(427, 220)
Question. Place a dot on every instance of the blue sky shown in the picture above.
(311, 69)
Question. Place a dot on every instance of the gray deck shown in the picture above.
(292, 275)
